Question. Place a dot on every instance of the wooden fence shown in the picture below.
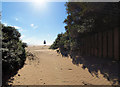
(102, 44)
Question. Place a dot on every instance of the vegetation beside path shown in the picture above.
(13, 52)
(86, 19)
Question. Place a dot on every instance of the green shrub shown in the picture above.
(13, 50)
(85, 19)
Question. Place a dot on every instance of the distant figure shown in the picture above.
(44, 42)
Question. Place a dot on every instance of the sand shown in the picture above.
(50, 68)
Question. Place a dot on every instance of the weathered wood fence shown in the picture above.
(105, 44)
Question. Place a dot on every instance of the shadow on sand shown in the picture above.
(109, 68)
(7, 77)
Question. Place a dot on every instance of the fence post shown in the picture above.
(89, 45)
(104, 44)
(116, 44)
(100, 44)
(110, 44)
(96, 46)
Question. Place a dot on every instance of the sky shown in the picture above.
(36, 21)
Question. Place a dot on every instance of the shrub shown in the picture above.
(13, 50)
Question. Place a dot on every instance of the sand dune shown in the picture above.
(50, 68)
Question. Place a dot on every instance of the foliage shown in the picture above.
(13, 50)
(62, 42)
(55, 45)
(86, 18)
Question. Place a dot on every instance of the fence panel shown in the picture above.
(104, 44)
(116, 44)
(110, 44)
(100, 44)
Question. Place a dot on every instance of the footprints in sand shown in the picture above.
(42, 82)
(48, 67)
(69, 69)
(85, 83)
(65, 69)
(18, 74)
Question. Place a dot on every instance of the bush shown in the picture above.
(85, 19)
(13, 50)
(63, 43)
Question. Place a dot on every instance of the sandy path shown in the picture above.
(51, 68)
